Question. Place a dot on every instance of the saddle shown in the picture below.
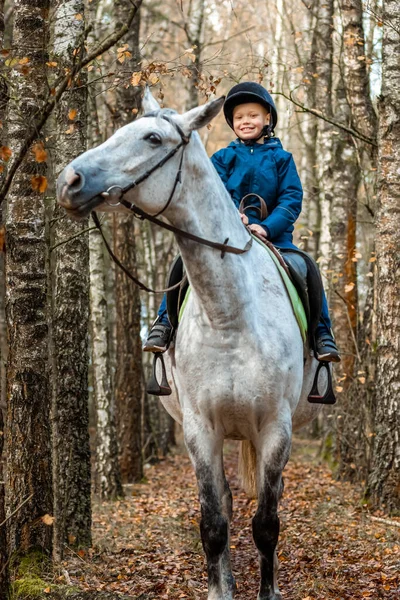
(301, 268)
(305, 275)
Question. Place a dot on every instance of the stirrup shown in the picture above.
(314, 396)
(153, 387)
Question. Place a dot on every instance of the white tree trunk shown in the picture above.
(70, 303)
(28, 432)
(107, 476)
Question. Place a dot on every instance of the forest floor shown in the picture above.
(331, 547)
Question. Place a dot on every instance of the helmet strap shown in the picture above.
(266, 132)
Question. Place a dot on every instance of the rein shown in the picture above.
(138, 212)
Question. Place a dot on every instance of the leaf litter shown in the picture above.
(148, 546)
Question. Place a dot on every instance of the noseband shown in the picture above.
(111, 193)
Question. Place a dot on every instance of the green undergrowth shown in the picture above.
(33, 577)
(327, 453)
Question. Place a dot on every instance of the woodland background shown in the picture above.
(76, 419)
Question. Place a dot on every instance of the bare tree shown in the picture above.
(107, 474)
(28, 430)
(324, 102)
(355, 70)
(70, 305)
(343, 285)
(384, 478)
(128, 377)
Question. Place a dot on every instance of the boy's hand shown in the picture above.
(245, 220)
(259, 231)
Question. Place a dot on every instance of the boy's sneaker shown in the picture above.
(158, 338)
(327, 349)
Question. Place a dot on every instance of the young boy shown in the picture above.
(255, 163)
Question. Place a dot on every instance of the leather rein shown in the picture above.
(117, 192)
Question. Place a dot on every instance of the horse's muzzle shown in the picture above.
(71, 194)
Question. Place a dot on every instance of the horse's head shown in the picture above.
(97, 178)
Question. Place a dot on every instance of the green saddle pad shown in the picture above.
(294, 297)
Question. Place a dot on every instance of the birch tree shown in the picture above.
(193, 25)
(28, 431)
(311, 216)
(107, 477)
(3, 105)
(343, 284)
(384, 481)
(107, 473)
(324, 92)
(3, 541)
(356, 108)
(128, 378)
(355, 70)
(70, 304)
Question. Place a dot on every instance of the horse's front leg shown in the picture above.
(273, 451)
(205, 449)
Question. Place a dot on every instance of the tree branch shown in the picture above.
(16, 510)
(72, 237)
(320, 115)
(48, 108)
(228, 39)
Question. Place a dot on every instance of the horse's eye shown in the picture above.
(154, 138)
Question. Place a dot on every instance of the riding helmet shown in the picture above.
(248, 91)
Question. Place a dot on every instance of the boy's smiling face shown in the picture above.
(249, 120)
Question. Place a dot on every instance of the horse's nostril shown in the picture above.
(74, 180)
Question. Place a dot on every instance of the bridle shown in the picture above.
(110, 193)
(185, 139)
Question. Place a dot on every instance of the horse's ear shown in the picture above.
(202, 115)
(149, 103)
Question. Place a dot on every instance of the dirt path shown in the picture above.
(147, 546)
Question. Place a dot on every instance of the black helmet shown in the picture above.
(248, 91)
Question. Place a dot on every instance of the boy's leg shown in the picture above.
(325, 342)
(160, 333)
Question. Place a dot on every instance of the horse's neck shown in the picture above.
(223, 286)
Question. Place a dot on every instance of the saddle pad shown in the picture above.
(294, 297)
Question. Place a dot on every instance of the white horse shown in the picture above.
(239, 369)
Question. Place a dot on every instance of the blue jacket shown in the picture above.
(269, 171)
